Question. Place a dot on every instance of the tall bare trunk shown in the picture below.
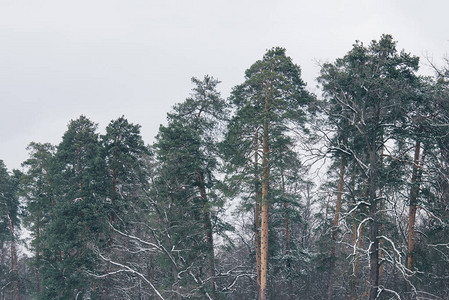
(265, 206)
(257, 211)
(209, 236)
(335, 227)
(257, 240)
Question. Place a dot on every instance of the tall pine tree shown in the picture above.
(79, 221)
(270, 103)
(186, 150)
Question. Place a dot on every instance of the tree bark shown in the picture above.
(335, 227)
(265, 206)
(257, 212)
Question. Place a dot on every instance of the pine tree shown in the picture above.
(372, 87)
(124, 154)
(124, 151)
(187, 154)
(40, 201)
(9, 231)
(79, 221)
(268, 103)
(429, 193)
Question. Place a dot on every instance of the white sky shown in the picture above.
(106, 58)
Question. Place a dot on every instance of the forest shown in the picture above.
(273, 193)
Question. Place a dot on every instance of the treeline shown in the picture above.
(111, 218)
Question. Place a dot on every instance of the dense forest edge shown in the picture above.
(273, 193)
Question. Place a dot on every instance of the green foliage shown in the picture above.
(77, 179)
(187, 205)
(9, 203)
(123, 152)
(276, 79)
(111, 218)
(9, 232)
(270, 106)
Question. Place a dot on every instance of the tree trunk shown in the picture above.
(381, 241)
(413, 205)
(257, 241)
(207, 224)
(265, 206)
(381, 229)
(374, 225)
(335, 227)
(257, 212)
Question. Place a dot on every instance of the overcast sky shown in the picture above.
(106, 58)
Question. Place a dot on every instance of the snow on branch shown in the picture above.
(127, 269)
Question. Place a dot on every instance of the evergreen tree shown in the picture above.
(429, 195)
(269, 103)
(124, 151)
(110, 218)
(371, 87)
(10, 285)
(79, 220)
(40, 201)
(124, 154)
(187, 154)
